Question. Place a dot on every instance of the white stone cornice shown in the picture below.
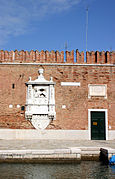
(59, 64)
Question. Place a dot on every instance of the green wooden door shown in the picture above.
(98, 125)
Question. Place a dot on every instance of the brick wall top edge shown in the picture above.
(113, 51)
(52, 56)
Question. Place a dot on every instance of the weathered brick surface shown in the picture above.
(75, 115)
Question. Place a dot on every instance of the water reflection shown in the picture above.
(84, 170)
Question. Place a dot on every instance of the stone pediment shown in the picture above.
(40, 80)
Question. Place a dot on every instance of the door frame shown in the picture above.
(106, 121)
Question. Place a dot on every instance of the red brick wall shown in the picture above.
(75, 116)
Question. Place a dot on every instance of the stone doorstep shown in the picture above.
(71, 150)
(69, 153)
(41, 154)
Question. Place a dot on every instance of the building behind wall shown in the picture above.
(84, 91)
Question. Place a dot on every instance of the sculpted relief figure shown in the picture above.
(39, 92)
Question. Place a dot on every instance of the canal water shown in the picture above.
(84, 170)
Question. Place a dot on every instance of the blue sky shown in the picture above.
(50, 24)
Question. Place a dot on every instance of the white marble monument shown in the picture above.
(40, 101)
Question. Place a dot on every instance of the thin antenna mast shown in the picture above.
(86, 26)
(66, 46)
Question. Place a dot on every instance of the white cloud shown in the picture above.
(17, 15)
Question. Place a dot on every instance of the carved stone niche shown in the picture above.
(40, 101)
